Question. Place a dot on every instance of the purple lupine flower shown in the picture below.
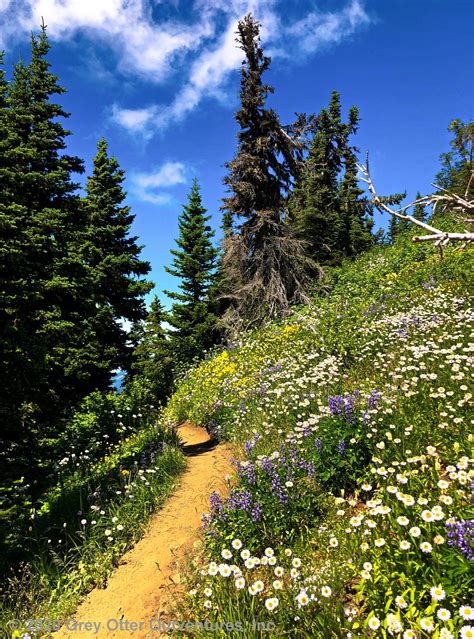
(318, 444)
(247, 471)
(341, 447)
(307, 431)
(336, 404)
(373, 400)
(310, 470)
(340, 405)
(216, 503)
(461, 536)
(256, 512)
(268, 466)
(251, 443)
(239, 500)
(249, 446)
(216, 511)
(277, 490)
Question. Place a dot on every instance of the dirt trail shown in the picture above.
(147, 579)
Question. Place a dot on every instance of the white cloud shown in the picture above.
(318, 29)
(145, 185)
(156, 50)
(207, 74)
(143, 46)
(211, 69)
(135, 120)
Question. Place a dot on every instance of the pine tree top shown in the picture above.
(195, 258)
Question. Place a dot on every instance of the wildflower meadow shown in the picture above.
(349, 513)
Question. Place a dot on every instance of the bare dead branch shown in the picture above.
(454, 201)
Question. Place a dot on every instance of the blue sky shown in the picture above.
(160, 81)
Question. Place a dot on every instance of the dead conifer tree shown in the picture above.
(266, 267)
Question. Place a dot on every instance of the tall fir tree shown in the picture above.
(265, 264)
(194, 263)
(41, 220)
(457, 164)
(115, 281)
(154, 359)
(219, 290)
(316, 196)
(355, 210)
(328, 207)
(3, 82)
(419, 211)
(392, 229)
(394, 224)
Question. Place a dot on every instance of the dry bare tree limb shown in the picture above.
(439, 237)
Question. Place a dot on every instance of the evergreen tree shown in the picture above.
(56, 272)
(115, 283)
(219, 289)
(3, 82)
(419, 211)
(153, 357)
(395, 224)
(44, 310)
(393, 227)
(264, 263)
(194, 263)
(316, 197)
(40, 220)
(329, 210)
(22, 352)
(355, 210)
(458, 163)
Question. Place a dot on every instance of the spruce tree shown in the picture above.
(219, 290)
(316, 197)
(419, 211)
(40, 269)
(3, 82)
(56, 224)
(393, 229)
(355, 211)
(458, 163)
(194, 263)
(265, 264)
(115, 273)
(394, 224)
(327, 204)
(22, 352)
(154, 359)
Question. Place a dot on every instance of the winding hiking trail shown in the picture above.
(148, 577)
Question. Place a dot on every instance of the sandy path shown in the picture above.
(148, 577)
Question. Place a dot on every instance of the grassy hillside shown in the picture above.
(349, 515)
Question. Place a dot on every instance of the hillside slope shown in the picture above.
(349, 517)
